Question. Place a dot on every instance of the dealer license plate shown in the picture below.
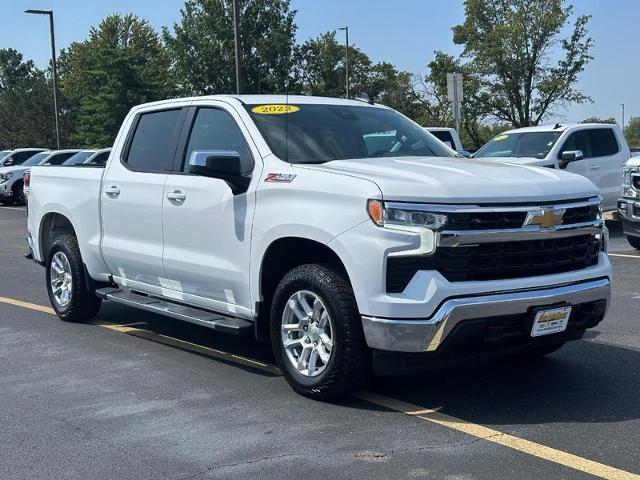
(551, 320)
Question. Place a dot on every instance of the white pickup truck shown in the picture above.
(283, 217)
(597, 151)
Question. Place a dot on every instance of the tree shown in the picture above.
(320, 70)
(599, 120)
(26, 103)
(202, 46)
(632, 132)
(122, 64)
(524, 64)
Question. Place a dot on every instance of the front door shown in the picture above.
(132, 199)
(207, 229)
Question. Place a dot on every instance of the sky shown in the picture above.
(404, 33)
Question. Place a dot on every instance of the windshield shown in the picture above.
(525, 144)
(36, 159)
(3, 154)
(78, 158)
(321, 133)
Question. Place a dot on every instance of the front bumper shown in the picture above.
(427, 335)
(629, 211)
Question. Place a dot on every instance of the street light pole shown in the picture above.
(55, 70)
(622, 105)
(346, 57)
(236, 39)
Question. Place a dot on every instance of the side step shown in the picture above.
(165, 307)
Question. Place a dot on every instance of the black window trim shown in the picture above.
(183, 141)
(562, 149)
(134, 127)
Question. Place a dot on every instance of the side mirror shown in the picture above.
(464, 153)
(8, 163)
(569, 156)
(226, 165)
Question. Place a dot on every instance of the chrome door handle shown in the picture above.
(177, 196)
(112, 191)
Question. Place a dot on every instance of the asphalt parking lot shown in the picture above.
(136, 396)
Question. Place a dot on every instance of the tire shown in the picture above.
(634, 242)
(347, 367)
(18, 194)
(81, 304)
(538, 352)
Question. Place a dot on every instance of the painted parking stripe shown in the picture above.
(531, 448)
(427, 414)
(624, 256)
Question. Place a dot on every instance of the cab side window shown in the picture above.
(154, 141)
(215, 129)
(594, 142)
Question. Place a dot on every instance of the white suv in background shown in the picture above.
(597, 151)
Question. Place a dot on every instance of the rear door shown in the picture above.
(132, 198)
(207, 229)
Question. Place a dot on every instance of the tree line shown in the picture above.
(519, 68)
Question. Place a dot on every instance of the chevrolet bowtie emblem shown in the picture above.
(545, 217)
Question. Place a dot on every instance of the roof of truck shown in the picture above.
(270, 99)
(558, 127)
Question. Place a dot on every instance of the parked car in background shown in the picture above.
(635, 152)
(358, 237)
(629, 204)
(99, 158)
(596, 151)
(12, 177)
(79, 157)
(450, 137)
(19, 155)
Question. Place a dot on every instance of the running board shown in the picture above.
(165, 307)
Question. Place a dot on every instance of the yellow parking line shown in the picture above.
(431, 415)
(30, 306)
(623, 255)
(531, 448)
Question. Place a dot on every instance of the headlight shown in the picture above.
(627, 187)
(384, 214)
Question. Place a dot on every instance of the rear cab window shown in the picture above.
(153, 144)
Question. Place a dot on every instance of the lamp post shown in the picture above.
(55, 70)
(236, 39)
(346, 57)
(622, 105)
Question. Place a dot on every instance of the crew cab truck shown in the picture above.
(274, 216)
(629, 204)
(597, 151)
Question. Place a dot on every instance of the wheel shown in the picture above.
(540, 351)
(316, 333)
(634, 242)
(19, 197)
(70, 297)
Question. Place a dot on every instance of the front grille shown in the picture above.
(497, 261)
(504, 220)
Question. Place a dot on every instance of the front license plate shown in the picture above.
(551, 320)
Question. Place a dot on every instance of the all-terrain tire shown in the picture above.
(83, 304)
(348, 366)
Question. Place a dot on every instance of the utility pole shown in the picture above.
(346, 57)
(236, 38)
(622, 105)
(55, 70)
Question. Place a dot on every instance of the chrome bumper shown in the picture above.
(426, 335)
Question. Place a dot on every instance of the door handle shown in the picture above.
(177, 196)
(594, 167)
(112, 191)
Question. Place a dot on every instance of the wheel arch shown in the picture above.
(52, 225)
(282, 255)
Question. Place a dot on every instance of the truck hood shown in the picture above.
(533, 161)
(454, 180)
(13, 168)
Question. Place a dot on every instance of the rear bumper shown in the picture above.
(428, 335)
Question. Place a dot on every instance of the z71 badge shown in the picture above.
(280, 177)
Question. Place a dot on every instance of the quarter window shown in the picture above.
(153, 145)
(215, 129)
